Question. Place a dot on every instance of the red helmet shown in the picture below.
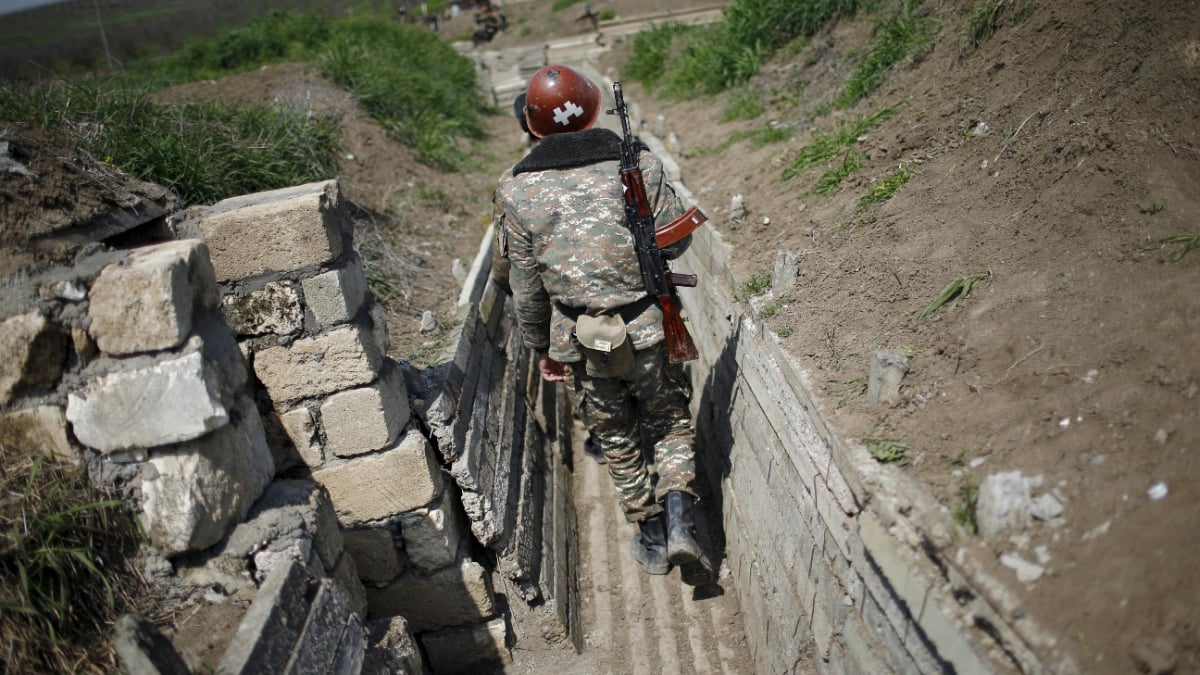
(558, 99)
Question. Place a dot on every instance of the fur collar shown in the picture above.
(573, 150)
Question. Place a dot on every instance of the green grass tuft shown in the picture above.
(896, 38)
(1186, 242)
(742, 106)
(829, 181)
(755, 285)
(953, 292)
(886, 450)
(962, 510)
(825, 146)
(885, 188)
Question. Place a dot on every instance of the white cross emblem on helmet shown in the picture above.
(563, 116)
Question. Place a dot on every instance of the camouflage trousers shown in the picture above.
(643, 418)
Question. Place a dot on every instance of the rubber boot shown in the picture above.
(650, 545)
(682, 549)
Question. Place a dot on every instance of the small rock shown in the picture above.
(1157, 491)
(1047, 507)
(977, 462)
(429, 323)
(888, 368)
(673, 143)
(1097, 460)
(1042, 553)
(1091, 376)
(1161, 436)
(1097, 531)
(660, 126)
(1027, 572)
(737, 207)
(459, 270)
(1004, 503)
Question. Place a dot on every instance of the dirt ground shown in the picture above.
(1054, 159)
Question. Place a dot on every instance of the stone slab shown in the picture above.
(453, 596)
(340, 359)
(384, 484)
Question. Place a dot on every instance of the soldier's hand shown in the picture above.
(552, 371)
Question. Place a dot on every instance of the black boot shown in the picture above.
(682, 549)
(650, 545)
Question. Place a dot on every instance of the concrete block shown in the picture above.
(346, 576)
(385, 484)
(335, 296)
(174, 400)
(274, 231)
(271, 626)
(193, 491)
(474, 649)
(340, 359)
(301, 430)
(146, 302)
(374, 553)
(289, 509)
(272, 310)
(361, 420)
(322, 631)
(34, 353)
(453, 596)
(352, 649)
(433, 536)
(42, 429)
(144, 650)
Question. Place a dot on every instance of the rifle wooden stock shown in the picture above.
(680, 346)
(679, 228)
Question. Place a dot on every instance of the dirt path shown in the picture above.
(632, 622)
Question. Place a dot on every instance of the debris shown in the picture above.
(429, 323)
(1097, 531)
(1157, 491)
(737, 207)
(1004, 503)
(1027, 572)
(888, 368)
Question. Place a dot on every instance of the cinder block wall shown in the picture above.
(834, 556)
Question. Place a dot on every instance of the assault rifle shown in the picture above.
(649, 242)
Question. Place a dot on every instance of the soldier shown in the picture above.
(581, 304)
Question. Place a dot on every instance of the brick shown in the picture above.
(385, 484)
(374, 553)
(340, 359)
(334, 297)
(171, 401)
(474, 649)
(361, 420)
(301, 430)
(146, 303)
(271, 310)
(42, 429)
(272, 625)
(274, 231)
(433, 536)
(34, 353)
(453, 596)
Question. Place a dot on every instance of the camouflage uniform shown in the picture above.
(565, 235)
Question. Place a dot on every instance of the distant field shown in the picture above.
(69, 36)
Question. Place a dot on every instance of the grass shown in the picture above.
(953, 292)
(62, 575)
(830, 180)
(755, 285)
(962, 510)
(896, 38)
(886, 450)
(773, 308)
(699, 61)
(1151, 208)
(202, 151)
(742, 106)
(824, 146)
(885, 188)
(1187, 243)
(986, 18)
(848, 390)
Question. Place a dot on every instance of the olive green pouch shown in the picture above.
(605, 345)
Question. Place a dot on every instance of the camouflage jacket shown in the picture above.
(562, 227)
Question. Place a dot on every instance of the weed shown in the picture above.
(563, 4)
(1186, 242)
(824, 146)
(742, 106)
(849, 389)
(985, 19)
(754, 286)
(953, 292)
(962, 510)
(886, 450)
(898, 37)
(830, 180)
(61, 554)
(885, 188)
(1150, 208)
(786, 331)
(772, 309)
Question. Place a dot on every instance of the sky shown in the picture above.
(7, 6)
